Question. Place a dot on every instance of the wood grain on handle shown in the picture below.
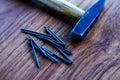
(63, 7)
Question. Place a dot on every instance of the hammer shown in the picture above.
(85, 18)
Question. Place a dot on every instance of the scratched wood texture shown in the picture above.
(97, 57)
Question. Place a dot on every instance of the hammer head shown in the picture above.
(83, 25)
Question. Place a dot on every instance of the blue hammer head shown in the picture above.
(83, 25)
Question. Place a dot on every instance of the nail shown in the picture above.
(58, 56)
(50, 55)
(35, 55)
(61, 47)
(52, 58)
(39, 48)
(52, 42)
(56, 44)
(34, 33)
(64, 49)
(47, 50)
(64, 55)
(49, 39)
(63, 59)
(54, 35)
(59, 43)
(43, 37)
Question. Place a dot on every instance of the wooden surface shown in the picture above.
(97, 57)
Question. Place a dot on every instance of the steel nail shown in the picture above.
(34, 33)
(54, 35)
(64, 55)
(35, 55)
(61, 47)
(58, 56)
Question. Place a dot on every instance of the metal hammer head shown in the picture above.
(84, 23)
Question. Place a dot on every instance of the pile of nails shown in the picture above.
(53, 40)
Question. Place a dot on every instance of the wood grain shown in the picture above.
(97, 57)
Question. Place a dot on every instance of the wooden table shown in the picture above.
(97, 57)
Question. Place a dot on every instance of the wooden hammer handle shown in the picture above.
(63, 7)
